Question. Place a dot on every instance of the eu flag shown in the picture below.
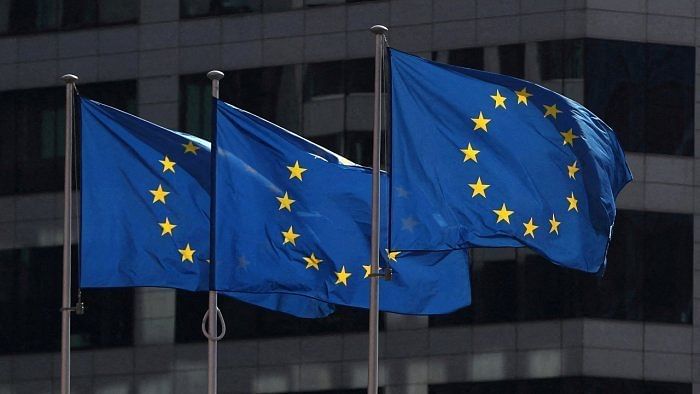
(481, 159)
(294, 218)
(145, 201)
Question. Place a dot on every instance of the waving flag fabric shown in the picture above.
(481, 159)
(294, 218)
(145, 199)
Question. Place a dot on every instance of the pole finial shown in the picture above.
(215, 75)
(378, 29)
(69, 78)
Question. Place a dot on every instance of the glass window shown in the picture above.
(511, 60)
(32, 16)
(465, 57)
(197, 8)
(117, 11)
(560, 59)
(645, 92)
(270, 92)
(30, 298)
(195, 105)
(79, 13)
(575, 385)
(34, 122)
(347, 391)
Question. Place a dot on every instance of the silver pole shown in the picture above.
(215, 76)
(373, 372)
(69, 79)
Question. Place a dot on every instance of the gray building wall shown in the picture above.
(162, 47)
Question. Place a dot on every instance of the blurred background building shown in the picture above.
(307, 65)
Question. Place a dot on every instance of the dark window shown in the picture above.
(561, 59)
(337, 107)
(198, 8)
(648, 277)
(249, 321)
(586, 385)
(649, 271)
(33, 16)
(645, 92)
(270, 92)
(31, 156)
(30, 301)
(464, 57)
(511, 60)
(348, 391)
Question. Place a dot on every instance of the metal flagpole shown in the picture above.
(66, 309)
(213, 312)
(372, 381)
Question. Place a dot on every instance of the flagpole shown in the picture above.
(213, 312)
(373, 364)
(66, 309)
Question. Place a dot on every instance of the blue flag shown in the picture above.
(481, 159)
(294, 218)
(145, 202)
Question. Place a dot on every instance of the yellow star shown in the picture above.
(551, 110)
(480, 122)
(470, 153)
(187, 254)
(190, 148)
(392, 255)
(569, 137)
(312, 261)
(503, 214)
(555, 225)
(572, 170)
(479, 188)
(159, 194)
(285, 202)
(295, 171)
(573, 202)
(290, 236)
(342, 276)
(530, 228)
(168, 165)
(522, 96)
(167, 227)
(368, 271)
(500, 100)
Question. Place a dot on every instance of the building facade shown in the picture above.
(307, 65)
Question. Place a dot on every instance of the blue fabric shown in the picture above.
(122, 243)
(523, 157)
(330, 215)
